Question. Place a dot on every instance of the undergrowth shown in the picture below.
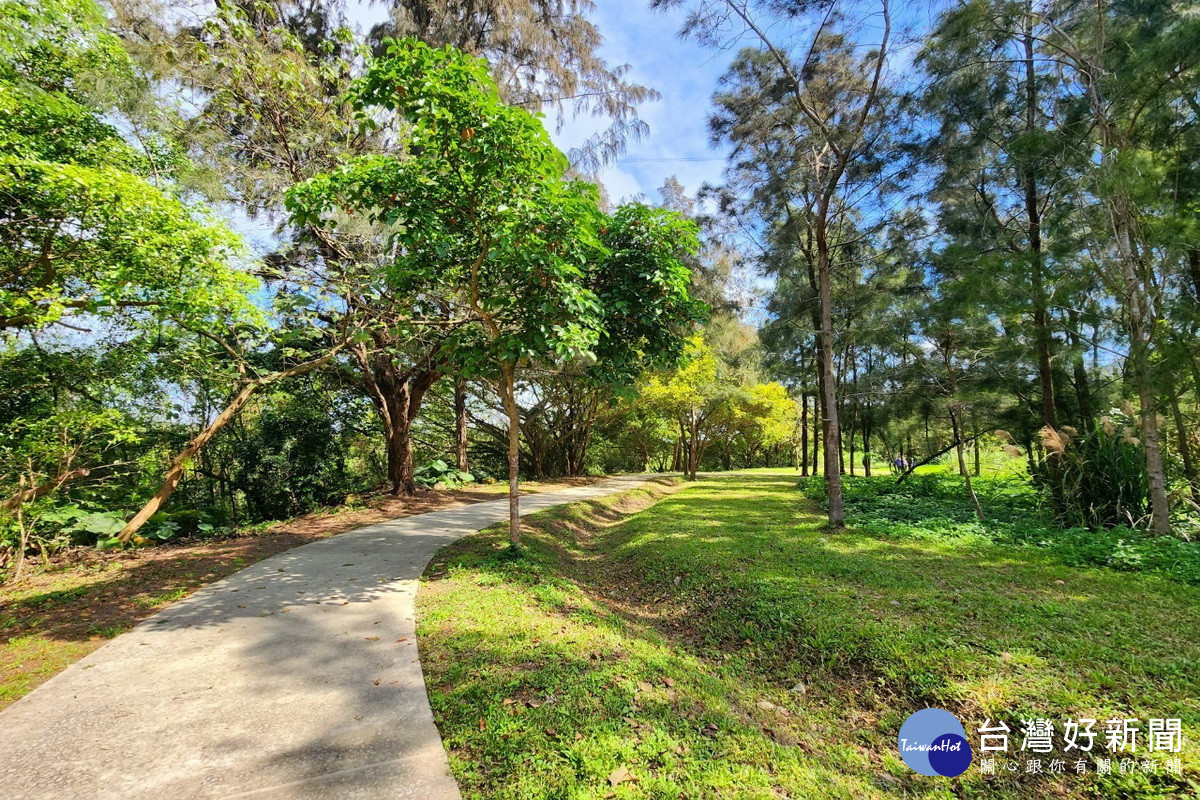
(936, 507)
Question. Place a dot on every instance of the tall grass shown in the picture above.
(1099, 480)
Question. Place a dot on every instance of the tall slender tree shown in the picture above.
(805, 110)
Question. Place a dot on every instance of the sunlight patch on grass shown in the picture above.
(27, 661)
(772, 659)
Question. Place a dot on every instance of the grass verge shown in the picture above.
(716, 642)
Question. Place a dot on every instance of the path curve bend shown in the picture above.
(297, 677)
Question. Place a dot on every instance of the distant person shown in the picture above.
(898, 464)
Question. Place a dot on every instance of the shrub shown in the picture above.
(438, 471)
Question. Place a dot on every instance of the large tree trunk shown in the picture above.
(509, 397)
(1033, 219)
(1139, 315)
(403, 396)
(397, 392)
(460, 425)
(1041, 316)
(400, 456)
(831, 431)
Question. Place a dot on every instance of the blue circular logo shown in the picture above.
(933, 742)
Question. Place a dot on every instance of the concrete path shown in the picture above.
(297, 677)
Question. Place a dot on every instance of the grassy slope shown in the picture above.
(669, 646)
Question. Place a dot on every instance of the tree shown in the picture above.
(1006, 152)
(692, 397)
(272, 83)
(94, 233)
(1131, 66)
(811, 116)
(90, 224)
(483, 220)
(272, 78)
(248, 382)
(543, 56)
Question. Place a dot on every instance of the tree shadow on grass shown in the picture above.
(879, 627)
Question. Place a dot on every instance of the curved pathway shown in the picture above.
(297, 677)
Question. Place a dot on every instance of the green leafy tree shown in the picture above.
(806, 109)
(694, 399)
(484, 225)
(1134, 73)
(94, 234)
(89, 223)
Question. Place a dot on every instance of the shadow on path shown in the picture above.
(297, 677)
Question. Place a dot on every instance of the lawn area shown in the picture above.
(713, 641)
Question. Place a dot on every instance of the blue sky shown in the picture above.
(684, 73)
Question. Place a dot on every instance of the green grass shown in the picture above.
(27, 661)
(159, 600)
(720, 644)
(934, 506)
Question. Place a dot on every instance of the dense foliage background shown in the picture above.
(978, 250)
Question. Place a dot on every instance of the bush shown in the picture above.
(439, 471)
